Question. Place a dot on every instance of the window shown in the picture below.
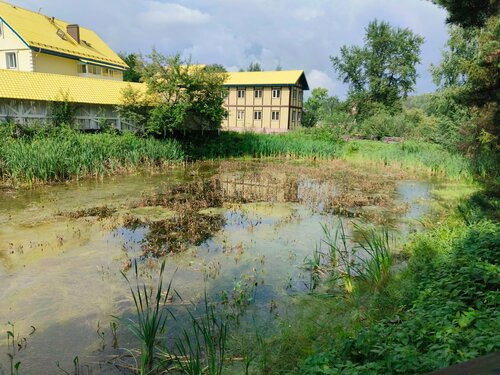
(257, 115)
(241, 93)
(240, 115)
(294, 116)
(275, 115)
(276, 93)
(82, 68)
(294, 94)
(299, 118)
(11, 60)
(258, 93)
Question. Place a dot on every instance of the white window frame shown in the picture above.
(241, 93)
(240, 115)
(258, 94)
(8, 61)
(276, 93)
(275, 115)
(257, 115)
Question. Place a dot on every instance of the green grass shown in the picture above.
(66, 154)
(298, 144)
(412, 156)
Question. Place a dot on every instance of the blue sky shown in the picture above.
(297, 34)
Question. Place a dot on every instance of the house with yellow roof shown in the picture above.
(33, 42)
(43, 59)
(265, 102)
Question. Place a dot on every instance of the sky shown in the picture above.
(295, 34)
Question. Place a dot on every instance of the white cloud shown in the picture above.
(297, 34)
(307, 14)
(158, 14)
(318, 78)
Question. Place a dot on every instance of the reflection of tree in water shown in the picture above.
(195, 223)
(191, 226)
(176, 234)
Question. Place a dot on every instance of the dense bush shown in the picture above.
(453, 316)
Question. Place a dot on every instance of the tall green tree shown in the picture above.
(134, 62)
(254, 67)
(319, 107)
(461, 49)
(383, 70)
(470, 71)
(469, 13)
(187, 97)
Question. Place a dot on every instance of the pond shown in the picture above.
(237, 231)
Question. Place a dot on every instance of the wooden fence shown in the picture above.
(88, 116)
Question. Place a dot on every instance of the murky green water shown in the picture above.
(245, 236)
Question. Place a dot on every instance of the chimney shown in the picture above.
(74, 32)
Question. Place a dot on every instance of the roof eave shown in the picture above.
(76, 57)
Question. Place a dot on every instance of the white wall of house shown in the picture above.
(11, 43)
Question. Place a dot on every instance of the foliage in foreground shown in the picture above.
(51, 154)
(442, 310)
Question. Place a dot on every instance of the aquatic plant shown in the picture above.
(377, 259)
(202, 348)
(67, 154)
(15, 344)
(151, 316)
(293, 145)
(413, 156)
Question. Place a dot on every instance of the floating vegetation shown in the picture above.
(100, 212)
(177, 234)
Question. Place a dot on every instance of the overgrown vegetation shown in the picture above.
(442, 309)
(299, 144)
(45, 154)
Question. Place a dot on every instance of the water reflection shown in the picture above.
(241, 231)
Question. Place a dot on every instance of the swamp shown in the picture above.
(241, 239)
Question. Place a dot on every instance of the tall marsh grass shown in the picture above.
(432, 159)
(151, 317)
(292, 144)
(368, 258)
(66, 154)
(202, 349)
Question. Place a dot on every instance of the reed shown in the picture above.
(376, 262)
(201, 350)
(67, 154)
(292, 145)
(151, 316)
(418, 157)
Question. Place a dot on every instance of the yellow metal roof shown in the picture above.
(278, 78)
(45, 33)
(50, 87)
